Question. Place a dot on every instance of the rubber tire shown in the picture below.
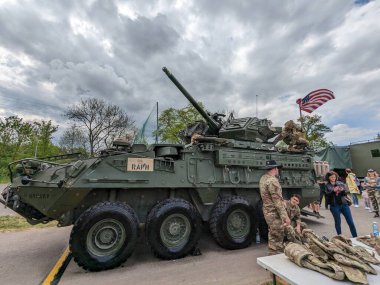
(157, 216)
(262, 225)
(118, 211)
(218, 222)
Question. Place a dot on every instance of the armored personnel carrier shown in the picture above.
(172, 189)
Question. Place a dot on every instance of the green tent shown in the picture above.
(338, 157)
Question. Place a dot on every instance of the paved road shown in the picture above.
(26, 257)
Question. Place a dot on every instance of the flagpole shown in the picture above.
(257, 115)
(299, 105)
(156, 122)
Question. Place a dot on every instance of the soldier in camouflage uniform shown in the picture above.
(273, 207)
(294, 230)
(370, 182)
(292, 135)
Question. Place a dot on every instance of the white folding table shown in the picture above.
(281, 266)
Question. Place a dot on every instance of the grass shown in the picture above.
(4, 180)
(17, 223)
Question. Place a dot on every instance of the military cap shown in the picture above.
(269, 164)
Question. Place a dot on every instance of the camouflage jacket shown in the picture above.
(371, 182)
(271, 194)
(294, 212)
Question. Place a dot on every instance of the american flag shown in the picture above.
(315, 99)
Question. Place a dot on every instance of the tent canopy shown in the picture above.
(338, 157)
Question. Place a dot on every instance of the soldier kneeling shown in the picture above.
(293, 232)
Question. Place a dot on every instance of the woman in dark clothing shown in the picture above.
(336, 192)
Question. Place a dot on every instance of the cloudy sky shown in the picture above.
(225, 52)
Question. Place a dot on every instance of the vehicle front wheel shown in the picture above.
(173, 228)
(104, 236)
(232, 223)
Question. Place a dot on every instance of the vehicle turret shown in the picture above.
(247, 129)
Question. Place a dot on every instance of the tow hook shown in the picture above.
(5, 193)
(16, 202)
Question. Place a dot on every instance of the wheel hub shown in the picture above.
(175, 231)
(238, 224)
(174, 228)
(236, 221)
(106, 237)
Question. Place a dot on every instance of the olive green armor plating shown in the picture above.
(171, 188)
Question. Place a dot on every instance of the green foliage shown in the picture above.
(315, 131)
(171, 121)
(44, 131)
(17, 223)
(20, 139)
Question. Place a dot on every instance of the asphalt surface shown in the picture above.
(26, 258)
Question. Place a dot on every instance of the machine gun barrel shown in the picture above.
(215, 126)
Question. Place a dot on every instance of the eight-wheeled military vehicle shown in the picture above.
(173, 189)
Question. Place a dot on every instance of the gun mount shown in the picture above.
(214, 125)
(247, 129)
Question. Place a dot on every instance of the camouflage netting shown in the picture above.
(337, 258)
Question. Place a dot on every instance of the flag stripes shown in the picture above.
(315, 99)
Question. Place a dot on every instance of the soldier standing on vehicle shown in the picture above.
(292, 135)
(273, 207)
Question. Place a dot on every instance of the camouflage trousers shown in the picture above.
(276, 234)
(377, 196)
(372, 193)
(291, 233)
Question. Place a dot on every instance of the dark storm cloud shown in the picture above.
(80, 65)
(223, 52)
(20, 103)
(140, 37)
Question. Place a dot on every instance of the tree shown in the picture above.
(44, 131)
(103, 122)
(315, 131)
(171, 121)
(14, 133)
(73, 140)
(18, 139)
